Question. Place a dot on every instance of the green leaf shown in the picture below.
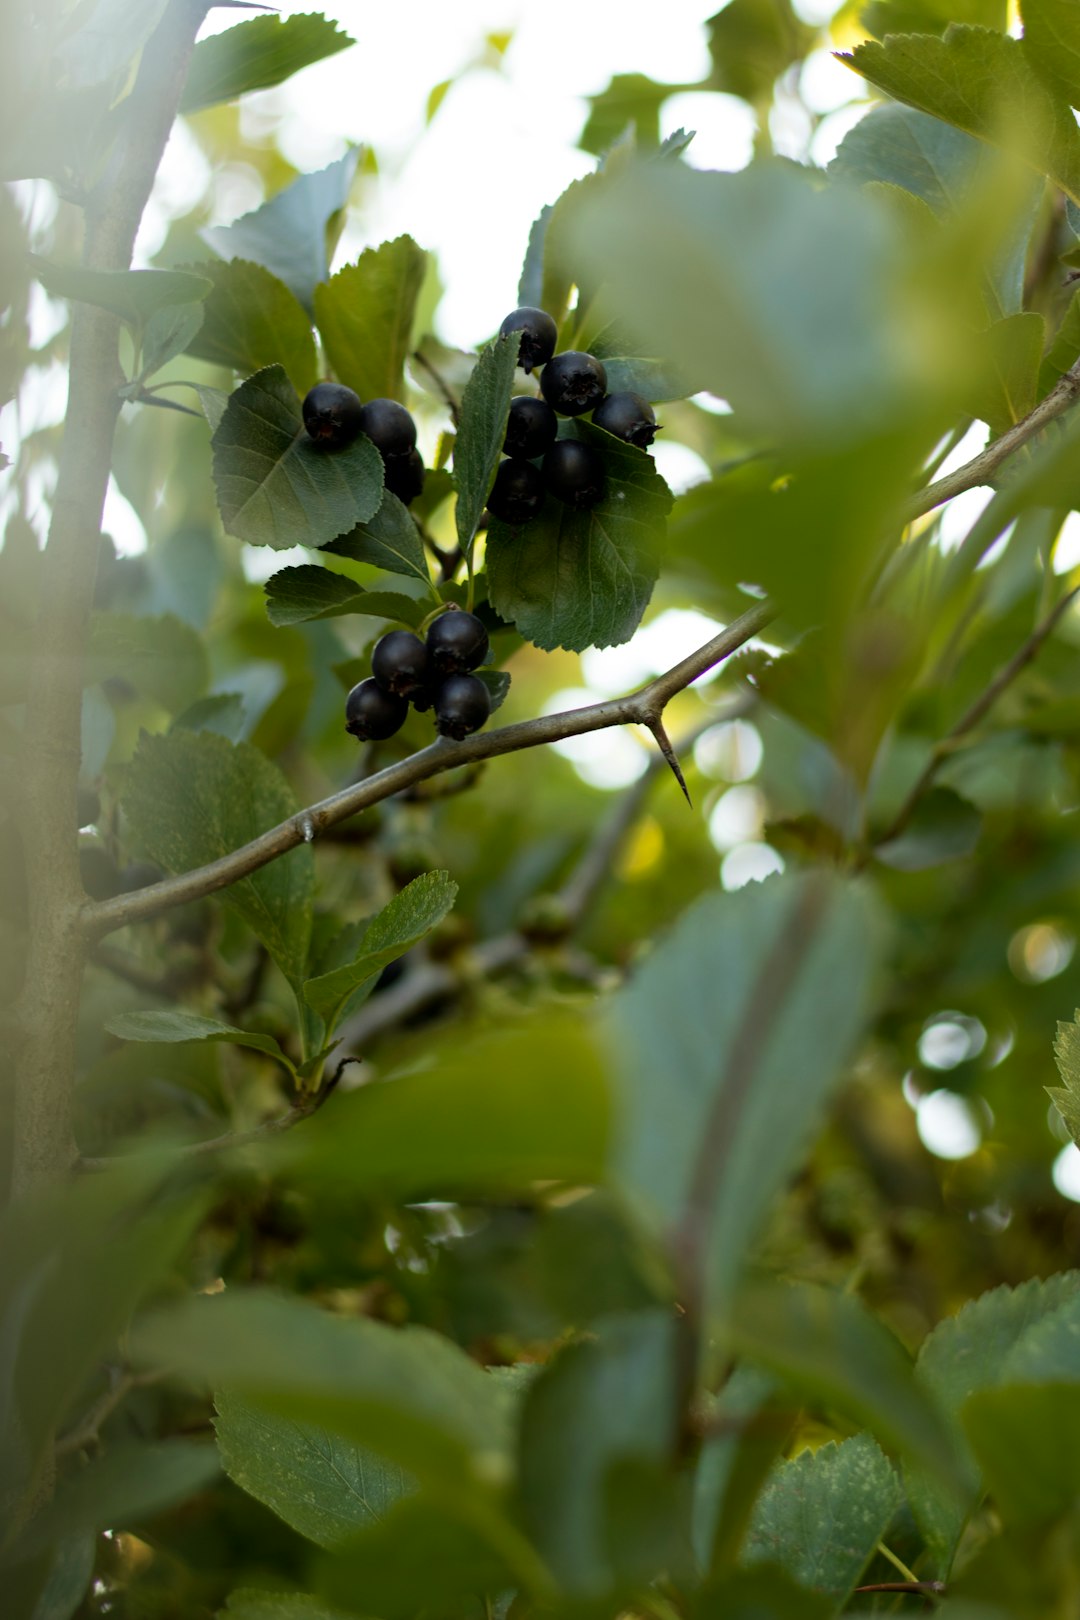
(214, 402)
(133, 295)
(654, 380)
(485, 405)
(294, 234)
(983, 82)
(174, 1025)
(675, 1029)
(222, 712)
(1067, 1058)
(410, 915)
(1052, 43)
(247, 1604)
(820, 1517)
(414, 1398)
(430, 1555)
(256, 55)
(883, 17)
(1027, 1444)
(168, 332)
(752, 42)
(598, 1403)
(161, 657)
(295, 595)
(365, 316)
(125, 1487)
(324, 1487)
(531, 284)
(827, 1347)
(964, 1355)
(192, 797)
(1008, 358)
(944, 827)
(275, 486)
(486, 1115)
(252, 320)
(629, 99)
(389, 539)
(69, 1576)
(580, 579)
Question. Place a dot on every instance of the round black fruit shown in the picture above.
(462, 704)
(457, 641)
(401, 663)
(389, 427)
(404, 475)
(331, 414)
(531, 427)
(629, 417)
(538, 334)
(574, 473)
(573, 383)
(517, 493)
(372, 714)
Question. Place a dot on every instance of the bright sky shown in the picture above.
(503, 140)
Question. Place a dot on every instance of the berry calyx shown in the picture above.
(574, 473)
(517, 493)
(371, 714)
(332, 414)
(628, 417)
(538, 335)
(462, 704)
(389, 427)
(531, 427)
(401, 663)
(573, 383)
(457, 641)
(404, 476)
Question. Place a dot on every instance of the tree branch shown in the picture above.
(968, 721)
(643, 707)
(429, 982)
(43, 1140)
(981, 469)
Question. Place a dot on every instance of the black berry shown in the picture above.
(372, 714)
(462, 704)
(139, 875)
(531, 427)
(389, 427)
(331, 415)
(538, 334)
(574, 473)
(517, 493)
(404, 475)
(629, 417)
(99, 872)
(573, 383)
(401, 663)
(457, 641)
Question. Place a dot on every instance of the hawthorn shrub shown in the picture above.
(435, 1186)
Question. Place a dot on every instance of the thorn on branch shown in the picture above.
(663, 742)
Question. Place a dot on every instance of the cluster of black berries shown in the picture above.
(571, 383)
(431, 673)
(334, 416)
